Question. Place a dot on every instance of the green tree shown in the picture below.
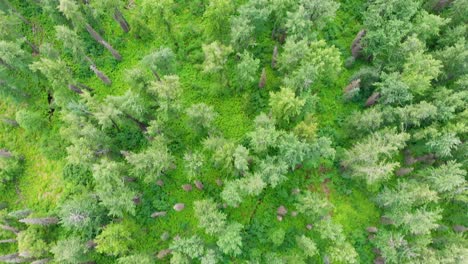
(201, 117)
(443, 143)
(421, 221)
(104, 6)
(308, 15)
(277, 236)
(447, 179)
(313, 205)
(419, 71)
(405, 195)
(151, 163)
(160, 11)
(273, 171)
(136, 259)
(32, 243)
(71, 41)
(264, 136)
(302, 79)
(210, 257)
(194, 163)
(11, 167)
(293, 151)
(160, 62)
(293, 53)
(366, 159)
(387, 23)
(192, 246)
(209, 218)
(115, 240)
(307, 245)
(111, 188)
(71, 10)
(427, 25)
(246, 70)
(216, 18)
(343, 252)
(216, 55)
(12, 56)
(70, 250)
(168, 92)
(241, 159)
(366, 121)
(285, 106)
(222, 152)
(31, 121)
(230, 241)
(232, 194)
(81, 214)
(392, 90)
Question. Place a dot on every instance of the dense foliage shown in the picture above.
(246, 131)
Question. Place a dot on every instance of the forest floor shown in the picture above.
(42, 187)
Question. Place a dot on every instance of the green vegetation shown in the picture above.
(246, 131)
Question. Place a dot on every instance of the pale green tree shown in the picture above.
(209, 217)
(246, 70)
(285, 106)
(151, 163)
(160, 62)
(393, 91)
(216, 56)
(201, 117)
(111, 188)
(216, 18)
(115, 240)
(230, 241)
(307, 245)
(71, 250)
(194, 163)
(367, 159)
(192, 247)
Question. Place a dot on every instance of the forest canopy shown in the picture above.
(233, 131)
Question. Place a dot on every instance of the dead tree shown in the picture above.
(41, 261)
(353, 85)
(263, 79)
(13, 258)
(6, 241)
(9, 228)
(356, 46)
(274, 58)
(10, 122)
(118, 16)
(372, 100)
(40, 221)
(5, 153)
(104, 43)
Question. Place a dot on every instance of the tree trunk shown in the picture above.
(9, 228)
(100, 75)
(40, 221)
(5, 153)
(101, 41)
(143, 126)
(274, 57)
(372, 100)
(118, 16)
(12, 258)
(155, 73)
(10, 122)
(41, 261)
(82, 86)
(75, 89)
(5, 241)
(263, 79)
